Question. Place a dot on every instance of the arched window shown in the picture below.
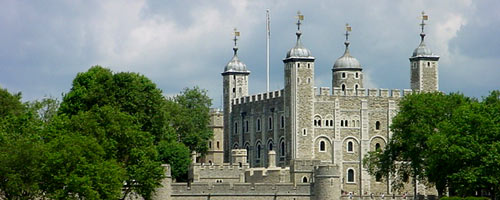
(270, 146)
(304, 179)
(331, 122)
(209, 144)
(350, 146)
(317, 121)
(218, 146)
(343, 87)
(345, 123)
(350, 175)
(258, 124)
(342, 123)
(282, 124)
(235, 146)
(357, 75)
(282, 149)
(309, 65)
(343, 74)
(377, 125)
(246, 126)
(248, 153)
(322, 146)
(270, 123)
(377, 146)
(258, 151)
(356, 86)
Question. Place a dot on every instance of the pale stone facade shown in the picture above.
(302, 142)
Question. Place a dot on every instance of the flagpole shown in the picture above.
(268, 35)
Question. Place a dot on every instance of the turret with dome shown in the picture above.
(347, 71)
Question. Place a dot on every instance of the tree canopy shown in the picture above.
(106, 139)
(449, 141)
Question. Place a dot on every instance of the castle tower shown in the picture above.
(299, 93)
(347, 72)
(424, 66)
(327, 182)
(235, 85)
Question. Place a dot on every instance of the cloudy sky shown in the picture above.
(178, 44)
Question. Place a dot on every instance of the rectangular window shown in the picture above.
(270, 123)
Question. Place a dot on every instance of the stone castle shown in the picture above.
(300, 142)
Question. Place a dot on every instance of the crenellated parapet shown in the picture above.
(363, 92)
(257, 97)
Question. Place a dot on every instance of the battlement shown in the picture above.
(242, 189)
(363, 92)
(219, 167)
(257, 97)
(304, 165)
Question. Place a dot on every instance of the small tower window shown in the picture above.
(357, 75)
(246, 126)
(304, 132)
(350, 176)
(343, 87)
(356, 86)
(235, 127)
(331, 122)
(308, 80)
(309, 65)
(209, 144)
(377, 125)
(378, 177)
(270, 146)
(350, 147)
(234, 90)
(345, 123)
(270, 123)
(282, 149)
(258, 151)
(428, 64)
(322, 146)
(377, 146)
(218, 145)
(342, 123)
(304, 179)
(258, 124)
(343, 74)
(248, 153)
(282, 124)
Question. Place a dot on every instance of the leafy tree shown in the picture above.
(189, 113)
(10, 104)
(407, 153)
(177, 154)
(76, 168)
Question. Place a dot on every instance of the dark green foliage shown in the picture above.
(449, 141)
(177, 154)
(10, 104)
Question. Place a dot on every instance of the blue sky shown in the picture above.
(178, 44)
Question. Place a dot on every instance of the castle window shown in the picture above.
(428, 64)
(270, 145)
(234, 90)
(342, 123)
(309, 65)
(209, 144)
(345, 123)
(258, 151)
(304, 179)
(235, 146)
(235, 127)
(270, 123)
(331, 122)
(218, 146)
(343, 74)
(350, 147)
(304, 132)
(377, 125)
(282, 149)
(378, 177)
(343, 87)
(308, 80)
(356, 86)
(248, 152)
(350, 175)
(377, 146)
(246, 126)
(353, 123)
(327, 123)
(282, 124)
(317, 121)
(357, 75)
(322, 146)
(258, 124)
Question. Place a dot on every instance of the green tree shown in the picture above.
(407, 152)
(190, 117)
(10, 104)
(177, 155)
